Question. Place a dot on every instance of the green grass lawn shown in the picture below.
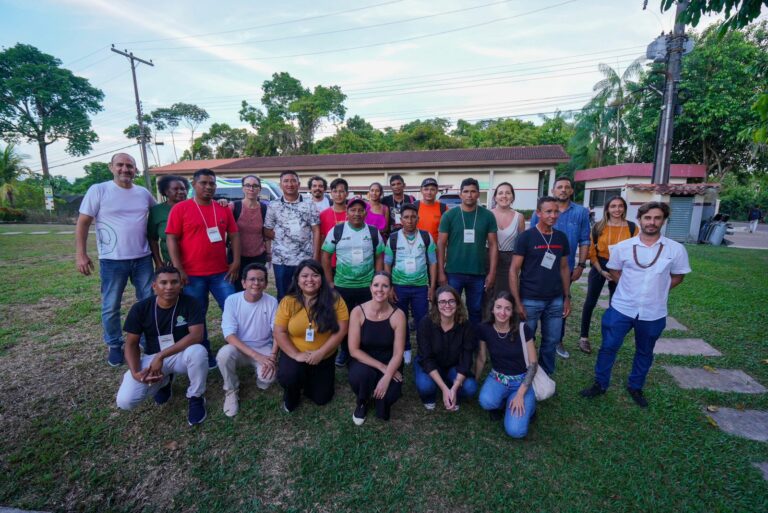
(66, 447)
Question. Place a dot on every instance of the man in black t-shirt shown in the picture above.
(172, 325)
(542, 289)
(395, 201)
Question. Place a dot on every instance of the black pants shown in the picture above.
(244, 262)
(318, 382)
(352, 298)
(363, 380)
(594, 286)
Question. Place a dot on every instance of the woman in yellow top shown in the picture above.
(609, 231)
(310, 323)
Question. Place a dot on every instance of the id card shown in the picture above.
(548, 261)
(357, 256)
(165, 341)
(410, 265)
(397, 218)
(214, 235)
(309, 335)
(469, 236)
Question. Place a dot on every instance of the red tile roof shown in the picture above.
(639, 169)
(681, 189)
(190, 166)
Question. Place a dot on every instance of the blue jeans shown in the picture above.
(416, 297)
(615, 326)
(198, 288)
(494, 395)
(283, 277)
(427, 388)
(474, 285)
(550, 312)
(114, 277)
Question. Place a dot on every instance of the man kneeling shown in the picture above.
(172, 325)
(246, 324)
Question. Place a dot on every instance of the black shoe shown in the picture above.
(163, 395)
(212, 363)
(115, 357)
(496, 415)
(196, 413)
(592, 391)
(637, 395)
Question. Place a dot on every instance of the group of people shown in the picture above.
(353, 279)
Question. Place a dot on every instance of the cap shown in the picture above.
(361, 201)
(429, 181)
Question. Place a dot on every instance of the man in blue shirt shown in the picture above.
(574, 222)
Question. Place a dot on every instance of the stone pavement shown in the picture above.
(751, 424)
(742, 239)
(685, 347)
(719, 380)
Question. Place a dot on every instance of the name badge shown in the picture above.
(410, 265)
(294, 227)
(357, 256)
(165, 341)
(397, 218)
(214, 235)
(469, 236)
(309, 336)
(548, 261)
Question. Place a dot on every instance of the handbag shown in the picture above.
(543, 385)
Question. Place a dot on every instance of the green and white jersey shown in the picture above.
(410, 263)
(355, 256)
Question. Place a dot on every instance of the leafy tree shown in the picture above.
(429, 134)
(490, 133)
(192, 116)
(738, 13)
(356, 136)
(95, 172)
(11, 169)
(42, 102)
(166, 117)
(225, 142)
(291, 115)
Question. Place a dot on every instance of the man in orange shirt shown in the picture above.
(430, 210)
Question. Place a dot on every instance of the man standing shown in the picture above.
(317, 186)
(196, 233)
(461, 249)
(294, 226)
(120, 210)
(337, 214)
(754, 216)
(246, 324)
(395, 201)
(574, 222)
(646, 268)
(172, 325)
(539, 279)
(359, 253)
(410, 257)
(430, 210)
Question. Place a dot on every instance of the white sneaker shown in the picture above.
(429, 406)
(561, 352)
(407, 357)
(231, 403)
(262, 385)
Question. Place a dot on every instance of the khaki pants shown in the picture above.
(229, 358)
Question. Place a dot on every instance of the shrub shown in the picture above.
(11, 214)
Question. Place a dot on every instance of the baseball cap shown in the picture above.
(361, 201)
(429, 181)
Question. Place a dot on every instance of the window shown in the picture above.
(597, 197)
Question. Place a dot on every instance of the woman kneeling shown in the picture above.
(507, 390)
(376, 345)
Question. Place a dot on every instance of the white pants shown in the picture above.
(229, 358)
(753, 225)
(193, 362)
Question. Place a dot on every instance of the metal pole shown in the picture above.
(662, 159)
(142, 136)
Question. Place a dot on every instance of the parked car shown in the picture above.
(232, 189)
(450, 200)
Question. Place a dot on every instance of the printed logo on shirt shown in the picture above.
(551, 246)
(181, 321)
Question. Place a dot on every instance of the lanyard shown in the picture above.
(474, 223)
(410, 244)
(548, 243)
(215, 221)
(173, 316)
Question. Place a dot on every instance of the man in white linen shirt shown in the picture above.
(646, 268)
(247, 323)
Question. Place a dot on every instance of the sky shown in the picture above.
(396, 60)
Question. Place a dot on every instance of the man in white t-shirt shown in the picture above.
(120, 210)
(247, 323)
(645, 268)
(318, 186)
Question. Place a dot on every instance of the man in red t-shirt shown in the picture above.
(330, 217)
(196, 234)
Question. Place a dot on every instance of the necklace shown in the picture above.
(501, 334)
(646, 266)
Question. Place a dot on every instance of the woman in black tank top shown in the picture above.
(376, 345)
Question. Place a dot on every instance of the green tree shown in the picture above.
(738, 13)
(167, 118)
(429, 134)
(356, 136)
(95, 172)
(225, 142)
(192, 116)
(11, 169)
(41, 102)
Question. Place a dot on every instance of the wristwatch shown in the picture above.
(583, 265)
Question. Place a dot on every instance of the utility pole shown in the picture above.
(675, 42)
(139, 116)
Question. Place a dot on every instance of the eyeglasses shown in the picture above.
(447, 302)
(251, 186)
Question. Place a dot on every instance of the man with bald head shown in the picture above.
(120, 210)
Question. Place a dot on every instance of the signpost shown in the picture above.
(48, 193)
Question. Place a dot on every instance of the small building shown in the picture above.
(530, 169)
(691, 200)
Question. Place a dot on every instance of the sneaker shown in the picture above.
(429, 406)
(341, 358)
(592, 391)
(455, 408)
(163, 395)
(262, 385)
(637, 395)
(285, 408)
(115, 357)
(358, 417)
(585, 346)
(407, 357)
(196, 413)
(561, 352)
(231, 403)
(212, 363)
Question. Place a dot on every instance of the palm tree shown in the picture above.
(11, 168)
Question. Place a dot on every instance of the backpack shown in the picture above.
(338, 230)
(595, 235)
(238, 209)
(393, 245)
(443, 206)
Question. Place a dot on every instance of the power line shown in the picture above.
(87, 158)
(70, 63)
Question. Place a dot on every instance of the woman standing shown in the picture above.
(249, 215)
(376, 345)
(446, 343)
(377, 214)
(173, 189)
(310, 323)
(609, 231)
(508, 385)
